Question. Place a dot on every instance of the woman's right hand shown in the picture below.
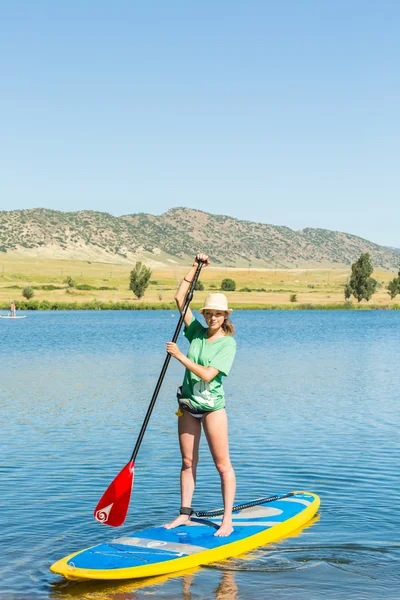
(201, 257)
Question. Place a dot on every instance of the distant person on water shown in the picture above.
(12, 308)
(201, 396)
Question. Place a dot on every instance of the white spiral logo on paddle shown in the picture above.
(103, 514)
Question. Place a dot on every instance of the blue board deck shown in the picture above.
(158, 550)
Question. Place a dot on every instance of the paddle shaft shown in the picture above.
(188, 300)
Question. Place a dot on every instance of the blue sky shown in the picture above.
(279, 112)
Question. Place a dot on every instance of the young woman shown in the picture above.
(201, 396)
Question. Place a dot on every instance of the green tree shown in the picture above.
(394, 286)
(70, 282)
(199, 287)
(28, 292)
(228, 285)
(293, 297)
(361, 284)
(139, 279)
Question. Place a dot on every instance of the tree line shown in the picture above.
(361, 285)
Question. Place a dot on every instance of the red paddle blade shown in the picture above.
(113, 506)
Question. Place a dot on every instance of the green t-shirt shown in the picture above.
(218, 354)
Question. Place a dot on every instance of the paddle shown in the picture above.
(113, 506)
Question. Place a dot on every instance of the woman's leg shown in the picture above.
(216, 429)
(189, 429)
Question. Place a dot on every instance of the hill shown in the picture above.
(176, 235)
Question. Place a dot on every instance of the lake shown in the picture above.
(313, 402)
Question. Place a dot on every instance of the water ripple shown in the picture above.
(313, 404)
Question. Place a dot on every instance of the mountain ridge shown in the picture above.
(177, 234)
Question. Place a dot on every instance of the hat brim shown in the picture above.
(211, 307)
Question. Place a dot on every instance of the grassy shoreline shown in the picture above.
(97, 305)
(106, 287)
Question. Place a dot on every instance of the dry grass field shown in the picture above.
(268, 286)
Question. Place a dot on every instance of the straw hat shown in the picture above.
(216, 302)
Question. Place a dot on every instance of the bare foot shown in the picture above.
(225, 529)
(181, 520)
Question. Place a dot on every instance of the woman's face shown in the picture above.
(214, 318)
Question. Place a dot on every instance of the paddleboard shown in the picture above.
(7, 317)
(159, 551)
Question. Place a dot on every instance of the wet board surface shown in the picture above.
(6, 317)
(157, 551)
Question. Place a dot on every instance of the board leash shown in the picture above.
(258, 501)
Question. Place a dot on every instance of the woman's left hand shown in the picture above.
(173, 350)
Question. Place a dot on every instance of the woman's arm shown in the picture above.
(205, 373)
(183, 289)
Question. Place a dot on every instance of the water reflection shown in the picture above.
(226, 588)
(313, 405)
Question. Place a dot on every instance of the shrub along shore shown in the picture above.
(97, 305)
